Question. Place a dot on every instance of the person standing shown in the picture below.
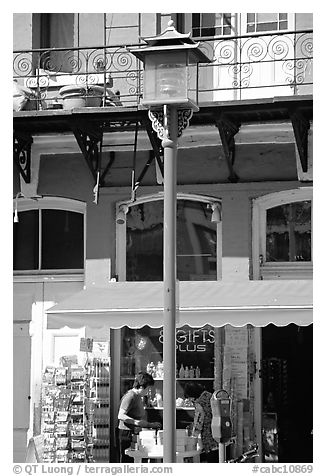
(202, 421)
(132, 415)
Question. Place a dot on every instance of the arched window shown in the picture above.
(48, 235)
(140, 239)
(282, 235)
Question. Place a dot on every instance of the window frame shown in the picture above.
(51, 203)
(233, 26)
(282, 269)
(239, 26)
(278, 21)
(121, 235)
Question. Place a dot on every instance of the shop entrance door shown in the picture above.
(287, 400)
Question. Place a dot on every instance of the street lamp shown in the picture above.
(170, 93)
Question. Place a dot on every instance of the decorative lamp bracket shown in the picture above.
(161, 121)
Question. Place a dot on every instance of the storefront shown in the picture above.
(218, 345)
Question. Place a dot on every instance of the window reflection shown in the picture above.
(26, 241)
(288, 232)
(61, 243)
(62, 239)
(196, 242)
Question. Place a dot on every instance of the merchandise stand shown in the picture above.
(75, 412)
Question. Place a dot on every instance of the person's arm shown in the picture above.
(123, 415)
(198, 420)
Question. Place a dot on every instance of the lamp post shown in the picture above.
(169, 59)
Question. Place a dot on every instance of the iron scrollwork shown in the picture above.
(162, 127)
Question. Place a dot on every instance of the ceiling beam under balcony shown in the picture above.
(228, 128)
(22, 144)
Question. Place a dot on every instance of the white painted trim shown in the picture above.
(51, 334)
(40, 277)
(285, 196)
(57, 203)
(180, 196)
(259, 207)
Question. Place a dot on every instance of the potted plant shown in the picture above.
(75, 96)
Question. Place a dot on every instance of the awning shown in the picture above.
(136, 304)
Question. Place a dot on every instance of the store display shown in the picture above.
(75, 411)
(213, 358)
(182, 372)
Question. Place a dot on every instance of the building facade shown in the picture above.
(88, 218)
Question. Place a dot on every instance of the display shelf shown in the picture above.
(194, 378)
(124, 377)
(75, 400)
(177, 408)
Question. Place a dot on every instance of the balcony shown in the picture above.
(242, 68)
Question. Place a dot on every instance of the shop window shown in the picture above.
(261, 22)
(48, 239)
(198, 241)
(214, 358)
(282, 235)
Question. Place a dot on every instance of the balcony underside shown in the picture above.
(92, 127)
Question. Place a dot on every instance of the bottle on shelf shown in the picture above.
(159, 399)
(181, 371)
(159, 370)
(197, 372)
(153, 370)
(187, 372)
(191, 372)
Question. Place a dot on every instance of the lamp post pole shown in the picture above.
(169, 144)
(169, 123)
(167, 58)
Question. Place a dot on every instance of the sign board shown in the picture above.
(35, 449)
(86, 344)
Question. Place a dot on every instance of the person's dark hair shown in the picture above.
(193, 390)
(143, 379)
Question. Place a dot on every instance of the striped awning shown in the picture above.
(136, 304)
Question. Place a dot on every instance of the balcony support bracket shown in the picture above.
(156, 144)
(89, 139)
(228, 129)
(22, 144)
(142, 174)
(301, 126)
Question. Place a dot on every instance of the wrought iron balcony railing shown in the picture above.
(242, 67)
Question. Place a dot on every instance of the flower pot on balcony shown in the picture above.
(81, 96)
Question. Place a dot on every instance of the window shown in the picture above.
(260, 22)
(58, 31)
(288, 232)
(211, 24)
(48, 239)
(142, 349)
(282, 235)
(198, 240)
